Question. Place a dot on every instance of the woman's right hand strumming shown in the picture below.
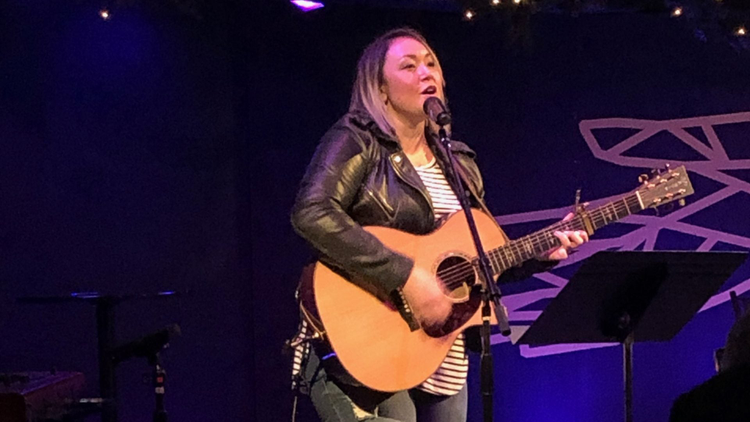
(428, 301)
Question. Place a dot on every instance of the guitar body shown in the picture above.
(371, 339)
(376, 345)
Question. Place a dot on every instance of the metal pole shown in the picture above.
(627, 357)
(105, 327)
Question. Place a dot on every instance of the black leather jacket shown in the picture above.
(360, 176)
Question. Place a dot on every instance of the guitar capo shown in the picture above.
(580, 209)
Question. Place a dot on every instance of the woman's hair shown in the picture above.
(369, 79)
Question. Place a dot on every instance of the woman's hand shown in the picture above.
(425, 296)
(568, 240)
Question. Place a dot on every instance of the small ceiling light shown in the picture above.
(677, 11)
(469, 14)
(306, 5)
(741, 31)
(104, 14)
(495, 2)
(517, 1)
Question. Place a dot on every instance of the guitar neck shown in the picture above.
(535, 244)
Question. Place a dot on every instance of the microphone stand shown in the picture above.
(150, 346)
(159, 376)
(491, 293)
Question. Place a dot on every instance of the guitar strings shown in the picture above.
(456, 274)
(449, 275)
(460, 271)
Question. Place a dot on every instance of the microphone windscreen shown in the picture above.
(436, 111)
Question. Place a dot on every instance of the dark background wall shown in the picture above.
(122, 173)
(156, 151)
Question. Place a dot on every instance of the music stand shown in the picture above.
(632, 296)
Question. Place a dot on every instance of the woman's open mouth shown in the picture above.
(430, 90)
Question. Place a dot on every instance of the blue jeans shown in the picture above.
(335, 401)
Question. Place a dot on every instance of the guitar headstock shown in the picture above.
(664, 187)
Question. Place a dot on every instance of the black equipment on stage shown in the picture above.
(149, 347)
(38, 396)
(146, 346)
(725, 396)
(740, 306)
(110, 354)
(632, 296)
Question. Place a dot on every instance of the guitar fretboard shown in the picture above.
(535, 244)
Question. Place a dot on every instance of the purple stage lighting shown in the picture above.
(306, 5)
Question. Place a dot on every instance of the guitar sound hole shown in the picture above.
(457, 275)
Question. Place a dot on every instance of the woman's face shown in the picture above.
(411, 76)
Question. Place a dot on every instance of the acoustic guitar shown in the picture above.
(375, 343)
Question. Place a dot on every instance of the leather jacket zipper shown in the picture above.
(386, 207)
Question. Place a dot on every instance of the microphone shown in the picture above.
(436, 111)
(145, 346)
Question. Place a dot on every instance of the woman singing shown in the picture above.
(376, 167)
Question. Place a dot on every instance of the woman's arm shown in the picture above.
(333, 177)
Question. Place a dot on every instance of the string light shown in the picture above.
(697, 16)
(104, 14)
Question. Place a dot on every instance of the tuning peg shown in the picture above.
(681, 202)
(643, 178)
(660, 171)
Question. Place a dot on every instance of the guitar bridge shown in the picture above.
(399, 301)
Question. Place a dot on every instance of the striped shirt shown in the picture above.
(450, 377)
(301, 352)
